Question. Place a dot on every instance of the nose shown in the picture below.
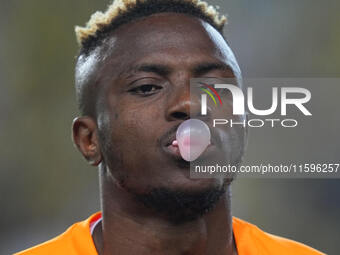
(184, 104)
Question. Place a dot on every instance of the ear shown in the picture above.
(85, 137)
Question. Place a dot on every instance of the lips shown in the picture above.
(173, 149)
(169, 144)
(170, 139)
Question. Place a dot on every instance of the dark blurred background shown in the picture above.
(46, 186)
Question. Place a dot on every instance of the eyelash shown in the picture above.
(151, 92)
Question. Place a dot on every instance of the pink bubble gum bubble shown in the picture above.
(193, 137)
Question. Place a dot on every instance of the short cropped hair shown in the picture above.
(121, 12)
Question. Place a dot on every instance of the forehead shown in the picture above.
(172, 39)
(167, 31)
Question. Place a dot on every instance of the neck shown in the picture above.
(130, 228)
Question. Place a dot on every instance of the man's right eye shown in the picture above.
(145, 90)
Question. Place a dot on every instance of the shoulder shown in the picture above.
(75, 240)
(61, 244)
(252, 240)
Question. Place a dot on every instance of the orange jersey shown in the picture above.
(250, 240)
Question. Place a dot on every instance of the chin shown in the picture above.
(196, 184)
(181, 180)
(184, 202)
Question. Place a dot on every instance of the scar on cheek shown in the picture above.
(116, 115)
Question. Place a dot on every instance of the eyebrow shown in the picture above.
(204, 68)
(198, 70)
(159, 69)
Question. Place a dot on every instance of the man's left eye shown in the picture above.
(145, 90)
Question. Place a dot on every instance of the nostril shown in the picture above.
(180, 115)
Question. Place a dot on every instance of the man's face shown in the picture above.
(144, 81)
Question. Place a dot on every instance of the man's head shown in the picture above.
(101, 26)
(133, 87)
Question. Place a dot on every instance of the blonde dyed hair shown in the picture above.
(123, 11)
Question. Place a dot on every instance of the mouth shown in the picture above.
(172, 149)
(169, 145)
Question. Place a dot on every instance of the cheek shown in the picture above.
(134, 134)
(238, 143)
(137, 123)
(232, 136)
(134, 137)
(134, 115)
